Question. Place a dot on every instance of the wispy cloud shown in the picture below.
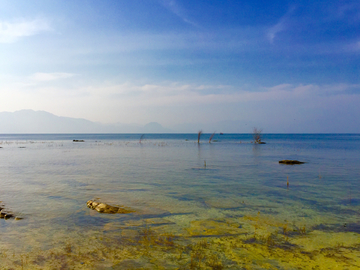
(173, 102)
(50, 76)
(168, 91)
(273, 31)
(12, 31)
(177, 94)
(175, 8)
(353, 47)
(348, 11)
(281, 26)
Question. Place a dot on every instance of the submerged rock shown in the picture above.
(5, 214)
(78, 141)
(290, 162)
(107, 209)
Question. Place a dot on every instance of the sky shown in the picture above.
(226, 66)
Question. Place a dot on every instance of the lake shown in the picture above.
(227, 204)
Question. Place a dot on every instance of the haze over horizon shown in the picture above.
(283, 66)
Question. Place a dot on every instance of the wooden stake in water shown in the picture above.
(287, 183)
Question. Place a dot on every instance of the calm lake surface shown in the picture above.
(228, 204)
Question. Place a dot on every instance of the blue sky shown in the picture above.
(284, 66)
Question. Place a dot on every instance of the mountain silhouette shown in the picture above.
(30, 121)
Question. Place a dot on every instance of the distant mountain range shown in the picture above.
(29, 121)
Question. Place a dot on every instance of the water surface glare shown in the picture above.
(227, 204)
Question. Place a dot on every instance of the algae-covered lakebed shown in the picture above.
(219, 205)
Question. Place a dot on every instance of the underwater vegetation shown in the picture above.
(255, 241)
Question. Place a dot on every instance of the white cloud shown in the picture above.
(50, 76)
(281, 26)
(12, 31)
(273, 31)
(175, 8)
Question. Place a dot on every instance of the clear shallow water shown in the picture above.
(237, 212)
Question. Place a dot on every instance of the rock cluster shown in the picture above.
(6, 215)
(107, 209)
(290, 162)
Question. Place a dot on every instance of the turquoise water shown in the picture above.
(176, 187)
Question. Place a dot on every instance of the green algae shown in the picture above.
(255, 241)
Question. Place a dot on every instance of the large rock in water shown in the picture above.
(290, 162)
(107, 209)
